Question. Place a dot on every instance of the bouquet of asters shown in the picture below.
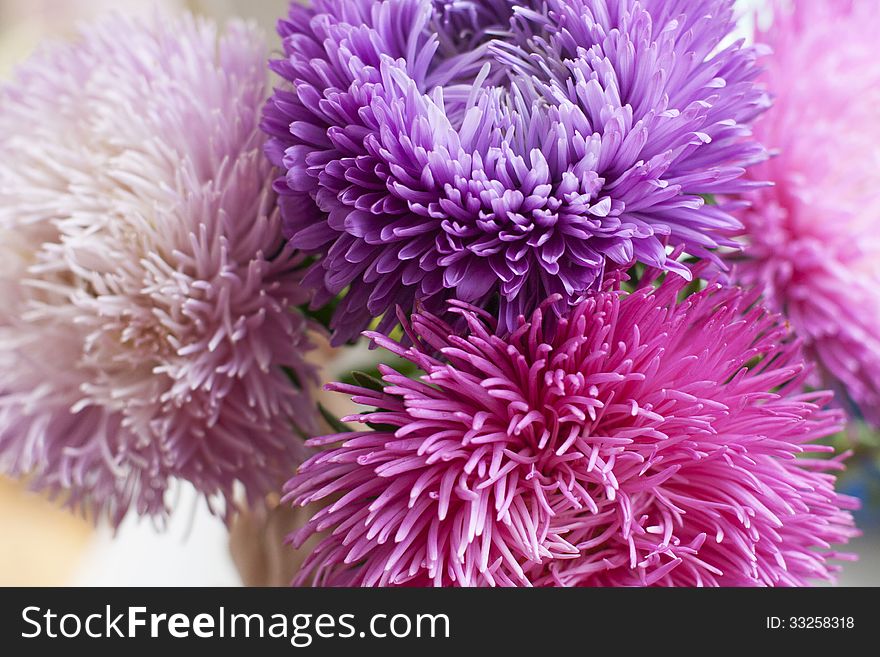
(617, 271)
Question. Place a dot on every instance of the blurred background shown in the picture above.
(45, 546)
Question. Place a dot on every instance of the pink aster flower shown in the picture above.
(637, 441)
(813, 239)
(146, 332)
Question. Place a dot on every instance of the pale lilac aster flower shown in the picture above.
(499, 152)
(637, 440)
(813, 240)
(145, 285)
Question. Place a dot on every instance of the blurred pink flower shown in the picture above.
(145, 287)
(813, 239)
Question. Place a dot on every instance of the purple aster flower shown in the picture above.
(637, 440)
(812, 241)
(499, 150)
(145, 285)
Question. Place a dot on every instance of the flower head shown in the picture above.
(637, 440)
(145, 286)
(502, 150)
(813, 243)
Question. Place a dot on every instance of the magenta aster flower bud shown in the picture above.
(501, 150)
(812, 239)
(638, 440)
(145, 286)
